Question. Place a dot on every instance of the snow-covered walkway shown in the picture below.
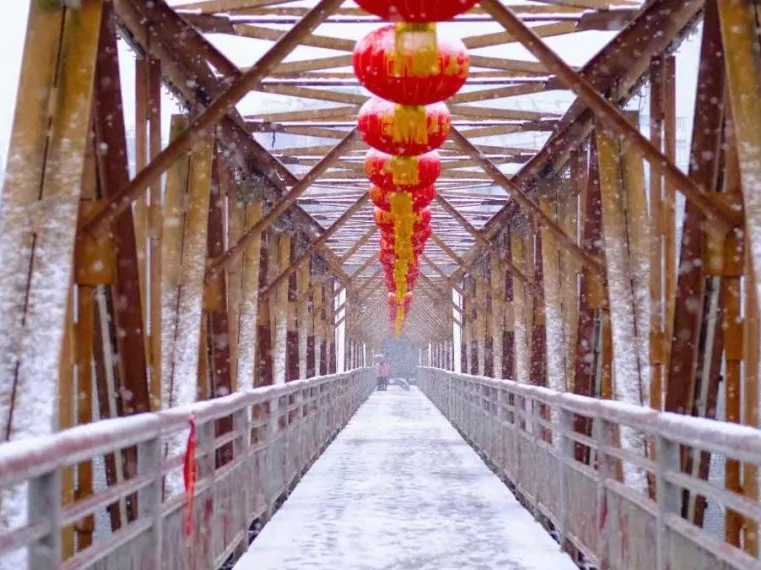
(399, 489)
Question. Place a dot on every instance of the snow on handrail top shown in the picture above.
(27, 458)
(24, 459)
(734, 440)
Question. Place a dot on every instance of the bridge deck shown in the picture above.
(400, 489)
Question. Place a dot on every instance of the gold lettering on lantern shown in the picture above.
(409, 124)
(405, 170)
(416, 52)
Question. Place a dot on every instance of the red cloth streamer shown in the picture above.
(189, 474)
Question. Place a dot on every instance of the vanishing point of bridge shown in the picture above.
(556, 266)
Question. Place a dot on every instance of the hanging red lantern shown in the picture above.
(402, 173)
(420, 198)
(423, 219)
(423, 197)
(403, 130)
(409, 64)
(416, 10)
(383, 220)
(387, 234)
(379, 198)
(387, 244)
(386, 257)
(421, 236)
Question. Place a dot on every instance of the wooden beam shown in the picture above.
(526, 204)
(315, 245)
(358, 244)
(611, 116)
(281, 205)
(202, 126)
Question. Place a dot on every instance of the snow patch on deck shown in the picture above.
(399, 489)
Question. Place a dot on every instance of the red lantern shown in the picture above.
(403, 130)
(421, 236)
(416, 10)
(402, 173)
(420, 198)
(387, 234)
(387, 244)
(386, 258)
(408, 64)
(423, 197)
(383, 220)
(379, 198)
(423, 219)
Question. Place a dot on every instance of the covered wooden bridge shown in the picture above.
(198, 282)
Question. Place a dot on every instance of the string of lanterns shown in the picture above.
(411, 70)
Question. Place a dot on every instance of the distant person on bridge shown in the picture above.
(384, 371)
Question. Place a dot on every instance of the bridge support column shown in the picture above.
(497, 320)
(279, 311)
(317, 319)
(520, 313)
(303, 319)
(247, 340)
(739, 33)
(553, 314)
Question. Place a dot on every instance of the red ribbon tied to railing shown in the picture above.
(189, 473)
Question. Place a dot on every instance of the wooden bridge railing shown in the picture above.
(560, 452)
(244, 467)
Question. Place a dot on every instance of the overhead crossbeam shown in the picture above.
(315, 246)
(723, 214)
(285, 202)
(202, 126)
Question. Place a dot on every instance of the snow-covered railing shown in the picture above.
(250, 449)
(560, 451)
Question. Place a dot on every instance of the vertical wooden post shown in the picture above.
(537, 336)
(743, 63)
(570, 266)
(330, 328)
(497, 282)
(553, 314)
(520, 312)
(39, 209)
(627, 258)
(732, 301)
(508, 338)
(280, 312)
(303, 317)
(185, 229)
(318, 329)
(217, 345)
(265, 326)
(249, 300)
(480, 333)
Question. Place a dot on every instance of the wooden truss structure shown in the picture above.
(570, 249)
